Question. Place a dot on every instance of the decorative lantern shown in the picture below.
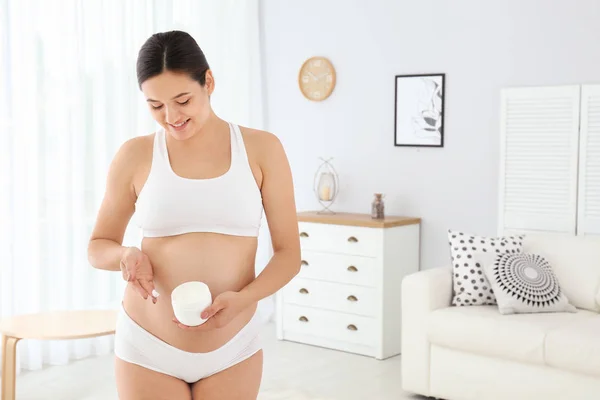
(326, 185)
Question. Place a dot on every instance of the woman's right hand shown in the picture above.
(137, 270)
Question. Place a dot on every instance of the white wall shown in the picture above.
(482, 46)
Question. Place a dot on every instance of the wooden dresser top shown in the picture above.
(354, 219)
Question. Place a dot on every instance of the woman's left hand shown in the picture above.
(223, 310)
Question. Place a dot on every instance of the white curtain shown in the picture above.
(68, 100)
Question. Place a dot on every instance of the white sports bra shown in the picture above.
(170, 205)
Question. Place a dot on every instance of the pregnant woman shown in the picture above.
(198, 188)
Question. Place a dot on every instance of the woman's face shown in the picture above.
(178, 102)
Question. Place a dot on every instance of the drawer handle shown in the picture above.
(352, 298)
(352, 239)
(303, 262)
(352, 327)
(303, 319)
(303, 291)
(352, 268)
(303, 234)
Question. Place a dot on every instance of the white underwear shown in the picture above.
(136, 345)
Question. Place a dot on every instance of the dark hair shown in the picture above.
(175, 51)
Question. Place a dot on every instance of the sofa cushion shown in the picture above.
(526, 283)
(576, 262)
(575, 347)
(483, 330)
(469, 254)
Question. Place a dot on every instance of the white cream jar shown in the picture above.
(189, 300)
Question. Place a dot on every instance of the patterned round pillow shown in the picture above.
(524, 282)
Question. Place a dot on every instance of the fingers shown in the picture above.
(138, 288)
(202, 327)
(145, 289)
(180, 325)
(211, 310)
(133, 269)
(124, 271)
(207, 313)
(144, 286)
(128, 273)
(148, 287)
(131, 266)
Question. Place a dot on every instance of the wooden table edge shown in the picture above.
(75, 337)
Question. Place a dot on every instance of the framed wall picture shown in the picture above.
(419, 110)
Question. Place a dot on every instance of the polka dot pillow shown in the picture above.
(470, 253)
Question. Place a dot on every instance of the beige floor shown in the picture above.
(291, 372)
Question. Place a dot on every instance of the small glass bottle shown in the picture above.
(377, 207)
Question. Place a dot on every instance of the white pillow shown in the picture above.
(525, 283)
(469, 254)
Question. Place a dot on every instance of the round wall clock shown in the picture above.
(316, 78)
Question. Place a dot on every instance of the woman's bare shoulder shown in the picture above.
(135, 155)
(259, 143)
(138, 147)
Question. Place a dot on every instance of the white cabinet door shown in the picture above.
(588, 217)
(539, 145)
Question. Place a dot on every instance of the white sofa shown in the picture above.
(475, 353)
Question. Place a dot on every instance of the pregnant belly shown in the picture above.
(224, 263)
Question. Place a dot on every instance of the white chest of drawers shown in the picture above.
(347, 294)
